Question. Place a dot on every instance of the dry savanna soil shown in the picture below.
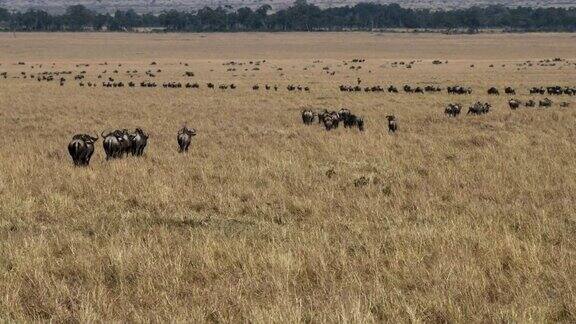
(264, 219)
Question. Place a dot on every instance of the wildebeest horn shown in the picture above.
(104, 136)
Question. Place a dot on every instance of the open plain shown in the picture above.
(265, 219)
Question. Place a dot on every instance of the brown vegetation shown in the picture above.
(265, 219)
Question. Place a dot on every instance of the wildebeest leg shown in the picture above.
(88, 157)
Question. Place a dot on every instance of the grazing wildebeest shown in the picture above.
(564, 104)
(351, 120)
(530, 103)
(545, 103)
(493, 91)
(459, 90)
(479, 108)
(81, 149)
(392, 123)
(453, 110)
(554, 90)
(344, 113)
(114, 144)
(392, 89)
(331, 119)
(509, 90)
(307, 116)
(184, 138)
(138, 140)
(513, 103)
(535, 90)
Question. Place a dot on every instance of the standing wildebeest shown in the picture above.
(479, 108)
(81, 149)
(114, 144)
(530, 103)
(513, 103)
(330, 120)
(453, 110)
(351, 120)
(509, 90)
(545, 103)
(493, 91)
(185, 138)
(392, 123)
(344, 113)
(126, 142)
(307, 116)
(139, 140)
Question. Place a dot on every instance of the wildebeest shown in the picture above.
(513, 103)
(479, 108)
(184, 138)
(330, 120)
(81, 149)
(392, 123)
(535, 90)
(307, 116)
(453, 110)
(138, 140)
(459, 90)
(351, 120)
(116, 143)
(545, 103)
(493, 91)
(509, 90)
(530, 103)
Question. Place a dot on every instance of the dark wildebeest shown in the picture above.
(114, 144)
(493, 91)
(535, 90)
(392, 123)
(307, 116)
(344, 113)
(351, 120)
(81, 149)
(479, 108)
(513, 103)
(139, 140)
(545, 103)
(530, 103)
(331, 119)
(453, 110)
(509, 90)
(184, 138)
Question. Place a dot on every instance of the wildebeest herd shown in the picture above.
(120, 143)
(332, 119)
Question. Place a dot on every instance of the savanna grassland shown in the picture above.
(467, 219)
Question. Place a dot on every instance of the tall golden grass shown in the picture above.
(469, 219)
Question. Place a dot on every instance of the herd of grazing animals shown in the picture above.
(120, 143)
(332, 119)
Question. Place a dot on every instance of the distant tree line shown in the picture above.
(301, 16)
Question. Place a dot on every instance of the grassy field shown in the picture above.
(457, 219)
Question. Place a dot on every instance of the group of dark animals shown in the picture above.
(332, 119)
(119, 143)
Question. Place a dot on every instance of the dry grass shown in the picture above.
(467, 219)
